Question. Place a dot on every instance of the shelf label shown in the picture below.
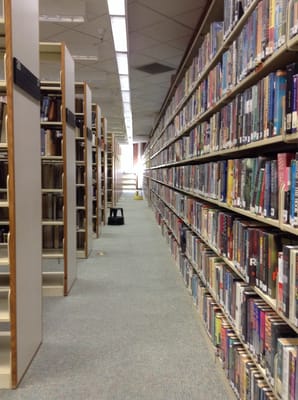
(25, 79)
(70, 118)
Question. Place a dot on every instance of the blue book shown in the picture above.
(271, 104)
(279, 102)
(292, 191)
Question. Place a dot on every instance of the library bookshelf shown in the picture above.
(103, 147)
(110, 170)
(57, 127)
(221, 176)
(96, 170)
(84, 169)
(20, 206)
(114, 177)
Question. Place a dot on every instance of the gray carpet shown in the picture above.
(128, 329)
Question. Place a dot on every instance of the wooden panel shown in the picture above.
(27, 187)
(88, 120)
(70, 264)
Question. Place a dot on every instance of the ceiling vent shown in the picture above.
(155, 68)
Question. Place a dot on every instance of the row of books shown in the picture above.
(3, 118)
(52, 206)
(80, 196)
(80, 174)
(52, 237)
(50, 108)
(81, 240)
(239, 365)
(257, 113)
(211, 44)
(81, 219)
(80, 150)
(252, 184)
(4, 230)
(51, 175)
(263, 33)
(3, 174)
(51, 142)
(263, 257)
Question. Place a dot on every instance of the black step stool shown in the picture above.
(115, 218)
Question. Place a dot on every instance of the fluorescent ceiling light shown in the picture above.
(124, 82)
(116, 7)
(62, 18)
(84, 58)
(125, 96)
(126, 108)
(122, 63)
(119, 33)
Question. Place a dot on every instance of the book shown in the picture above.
(283, 369)
(291, 71)
(279, 102)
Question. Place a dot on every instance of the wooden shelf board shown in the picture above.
(52, 253)
(50, 88)
(51, 123)
(52, 190)
(52, 223)
(4, 261)
(3, 146)
(3, 204)
(52, 158)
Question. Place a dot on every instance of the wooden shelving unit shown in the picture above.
(103, 146)
(110, 170)
(20, 183)
(188, 143)
(84, 169)
(58, 170)
(96, 171)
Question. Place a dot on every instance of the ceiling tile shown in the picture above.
(138, 59)
(98, 29)
(190, 18)
(166, 31)
(171, 8)
(162, 52)
(181, 42)
(96, 8)
(137, 41)
(139, 17)
(47, 30)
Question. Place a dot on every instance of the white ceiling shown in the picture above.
(159, 31)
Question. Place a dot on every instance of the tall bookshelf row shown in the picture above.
(58, 170)
(20, 192)
(114, 177)
(221, 175)
(84, 169)
(38, 171)
(104, 169)
(96, 171)
(110, 169)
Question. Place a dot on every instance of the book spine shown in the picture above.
(279, 102)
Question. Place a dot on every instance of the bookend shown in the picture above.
(115, 218)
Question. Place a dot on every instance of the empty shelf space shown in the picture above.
(53, 283)
(4, 304)
(5, 375)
